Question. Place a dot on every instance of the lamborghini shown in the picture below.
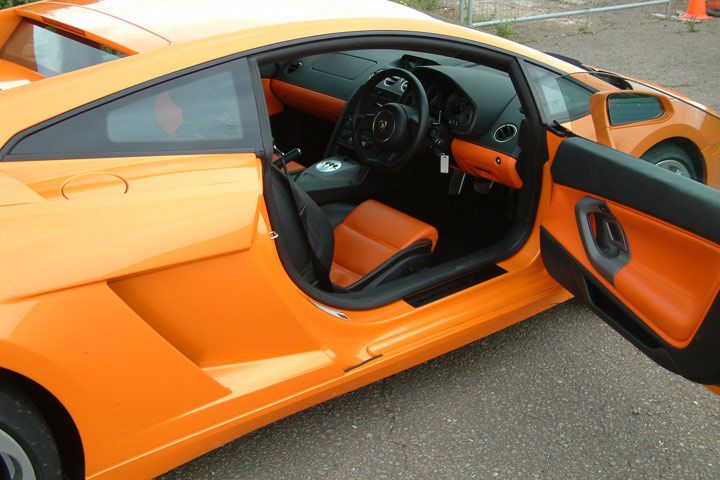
(216, 214)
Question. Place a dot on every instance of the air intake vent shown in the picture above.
(505, 132)
(293, 67)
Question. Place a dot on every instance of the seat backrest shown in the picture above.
(287, 223)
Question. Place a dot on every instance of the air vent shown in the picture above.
(293, 67)
(392, 81)
(505, 132)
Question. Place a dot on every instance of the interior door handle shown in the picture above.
(609, 235)
(602, 236)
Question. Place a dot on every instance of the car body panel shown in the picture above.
(96, 26)
(14, 75)
(237, 388)
(240, 381)
(157, 310)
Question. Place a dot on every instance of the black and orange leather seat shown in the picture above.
(372, 235)
(353, 247)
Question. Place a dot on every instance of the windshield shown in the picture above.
(49, 51)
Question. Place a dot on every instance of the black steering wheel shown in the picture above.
(390, 137)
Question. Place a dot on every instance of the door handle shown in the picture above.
(609, 235)
(603, 237)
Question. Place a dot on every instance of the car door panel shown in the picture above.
(93, 177)
(664, 297)
(118, 235)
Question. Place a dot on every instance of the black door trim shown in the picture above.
(607, 173)
(699, 361)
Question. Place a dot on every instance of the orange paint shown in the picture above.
(128, 280)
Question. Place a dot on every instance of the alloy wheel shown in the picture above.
(14, 461)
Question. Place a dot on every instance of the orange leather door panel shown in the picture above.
(672, 278)
(642, 248)
(274, 105)
(308, 101)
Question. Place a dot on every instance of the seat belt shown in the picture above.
(321, 270)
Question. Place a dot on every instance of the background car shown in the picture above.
(178, 281)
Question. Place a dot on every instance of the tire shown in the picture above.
(27, 447)
(672, 158)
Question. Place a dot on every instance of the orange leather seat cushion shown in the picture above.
(370, 235)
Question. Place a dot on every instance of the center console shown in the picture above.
(333, 179)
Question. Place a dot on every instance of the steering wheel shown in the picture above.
(390, 137)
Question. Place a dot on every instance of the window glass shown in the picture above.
(49, 51)
(562, 97)
(624, 108)
(213, 109)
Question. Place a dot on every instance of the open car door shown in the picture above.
(641, 246)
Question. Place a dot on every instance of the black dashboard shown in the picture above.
(475, 103)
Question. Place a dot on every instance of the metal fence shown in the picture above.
(481, 13)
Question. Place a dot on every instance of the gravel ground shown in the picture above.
(637, 44)
(558, 396)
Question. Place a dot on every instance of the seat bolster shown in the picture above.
(337, 212)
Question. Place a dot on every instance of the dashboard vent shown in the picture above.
(505, 132)
(293, 67)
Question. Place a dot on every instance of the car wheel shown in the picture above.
(27, 447)
(673, 159)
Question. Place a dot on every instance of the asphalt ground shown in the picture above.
(560, 395)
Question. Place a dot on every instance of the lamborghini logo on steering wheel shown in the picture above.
(382, 124)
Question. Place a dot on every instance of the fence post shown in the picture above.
(470, 12)
(462, 11)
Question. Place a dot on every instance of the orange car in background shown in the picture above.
(213, 215)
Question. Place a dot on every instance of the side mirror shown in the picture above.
(613, 110)
(624, 108)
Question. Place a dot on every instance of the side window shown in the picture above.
(561, 97)
(209, 110)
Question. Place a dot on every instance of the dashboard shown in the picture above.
(469, 103)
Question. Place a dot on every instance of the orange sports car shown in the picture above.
(215, 214)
